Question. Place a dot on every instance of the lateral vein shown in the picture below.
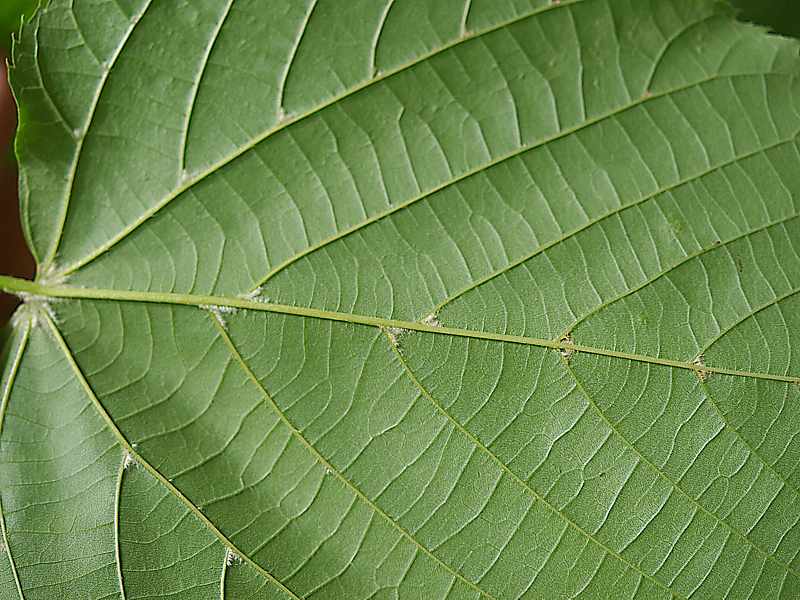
(126, 445)
(6, 396)
(520, 481)
(67, 269)
(335, 471)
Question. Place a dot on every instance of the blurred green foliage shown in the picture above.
(781, 16)
(11, 13)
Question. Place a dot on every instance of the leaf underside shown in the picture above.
(404, 299)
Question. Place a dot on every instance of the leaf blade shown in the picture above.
(480, 304)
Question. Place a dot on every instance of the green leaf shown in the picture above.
(404, 299)
(12, 13)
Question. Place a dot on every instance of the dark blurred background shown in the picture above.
(14, 256)
(781, 16)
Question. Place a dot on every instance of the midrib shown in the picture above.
(33, 290)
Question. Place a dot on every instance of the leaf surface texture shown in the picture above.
(397, 299)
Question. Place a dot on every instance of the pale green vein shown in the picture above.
(292, 55)
(522, 149)
(704, 384)
(670, 44)
(190, 183)
(24, 190)
(196, 84)
(117, 498)
(774, 302)
(332, 469)
(33, 291)
(590, 399)
(716, 338)
(6, 397)
(373, 65)
(465, 16)
(82, 137)
(128, 447)
(517, 479)
(702, 251)
(739, 436)
(619, 210)
(222, 577)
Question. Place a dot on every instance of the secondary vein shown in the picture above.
(128, 447)
(200, 176)
(520, 481)
(6, 396)
(334, 470)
